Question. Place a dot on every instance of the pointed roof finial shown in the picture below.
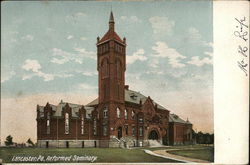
(111, 18)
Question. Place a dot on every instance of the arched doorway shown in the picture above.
(119, 132)
(153, 135)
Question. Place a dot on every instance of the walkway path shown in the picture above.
(165, 154)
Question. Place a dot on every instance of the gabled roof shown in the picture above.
(58, 109)
(176, 119)
(111, 35)
(131, 97)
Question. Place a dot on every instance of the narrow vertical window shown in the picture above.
(118, 111)
(133, 115)
(82, 124)
(133, 131)
(126, 129)
(48, 123)
(105, 112)
(126, 114)
(94, 128)
(66, 123)
(141, 131)
(105, 130)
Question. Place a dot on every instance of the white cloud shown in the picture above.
(138, 55)
(32, 65)
(27, 76)
(194, 37)
(28, 37)
(200, 62)
(196, 60)
(84, 53)
(154, 63)
(162, 25)
(155, 72)
(5, 76)
(209, 54)
(85, 86)
(83, 38)
(61, 56)
(194, 33)
(79, 14)
(89, 73)
(74, 17)
(70, 37)
(131, 19)
(64, 57)
(59, 61)
(162, 50)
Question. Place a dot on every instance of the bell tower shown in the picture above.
(111, 66)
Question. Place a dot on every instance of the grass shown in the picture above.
(109, 155)
(207, 153)
(177, 147)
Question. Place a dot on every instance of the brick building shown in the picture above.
(119, 117)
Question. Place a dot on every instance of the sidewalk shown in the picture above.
(179, 158)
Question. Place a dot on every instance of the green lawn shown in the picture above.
(178, 147)
(114, 155)
(206, 153)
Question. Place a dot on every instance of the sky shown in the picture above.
(48, 53)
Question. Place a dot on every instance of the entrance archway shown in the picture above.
(119, 132)
(153, 135)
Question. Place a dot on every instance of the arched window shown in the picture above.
(94, 127)
(48, 123)
(118, 111)
(82, 124)
(105, 112)
(126, 114)
(133, 115)
(66, 123)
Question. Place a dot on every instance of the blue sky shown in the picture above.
(48, 48)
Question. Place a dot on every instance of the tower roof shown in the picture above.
(111, 34)
(111, 18)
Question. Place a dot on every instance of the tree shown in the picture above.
(9, 140)
(29, 141)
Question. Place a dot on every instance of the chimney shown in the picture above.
(126, 87)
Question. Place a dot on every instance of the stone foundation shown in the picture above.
(124, 142)
(67, 143)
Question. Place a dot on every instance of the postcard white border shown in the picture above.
(231, 86)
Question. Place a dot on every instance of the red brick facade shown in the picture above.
(119, 117)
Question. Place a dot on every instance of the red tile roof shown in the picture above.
(111, 35)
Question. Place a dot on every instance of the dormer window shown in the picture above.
(133, 96)
(176, 117)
